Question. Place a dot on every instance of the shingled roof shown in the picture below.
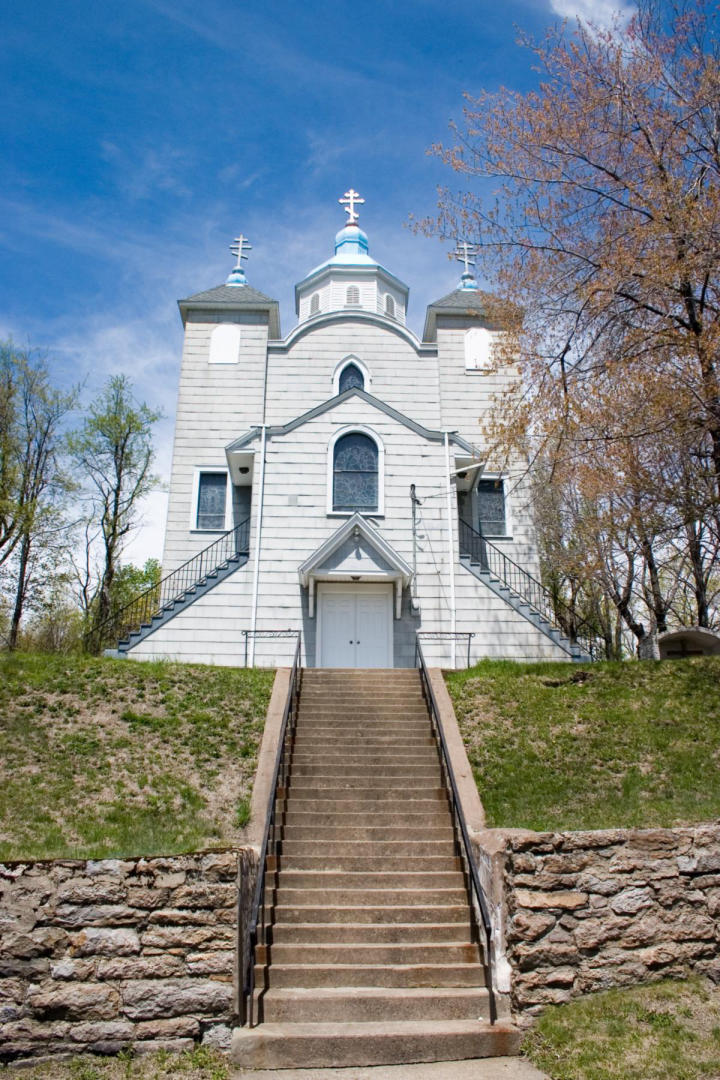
(471, 303)
(234, 298)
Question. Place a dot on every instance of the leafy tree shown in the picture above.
(33, 481)
(113, 453)
(603, 230)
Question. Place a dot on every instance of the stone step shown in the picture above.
(353, 771)
(381, 953)
(338, 1045)
(386, 881)
(426, 756)
(381, 744)
(371, 905)
(373, 818)
(363, 718)
(340, 700)
(339, 757)
(365, 848)
(287, 931)
(278, 976)
(338, 727)
(372, 864)
(361, 709)
(381, 833)
(377, 801)
(335, 789)
(404, 785)
(323, 1004)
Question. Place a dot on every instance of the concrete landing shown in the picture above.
(505, 1068)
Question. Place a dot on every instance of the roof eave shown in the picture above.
(271, 309)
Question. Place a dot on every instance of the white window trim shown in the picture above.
(196, 492)
(361, 430)
(508, 534)
(342, 364)
(238, 342)
(486, 365)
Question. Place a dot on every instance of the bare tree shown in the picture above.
(113, 453)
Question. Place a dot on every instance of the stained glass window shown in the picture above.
(491, 507)
(351, 376)
(355, 473)
(211, 501)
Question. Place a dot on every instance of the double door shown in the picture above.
(355, 626)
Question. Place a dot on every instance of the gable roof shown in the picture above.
(468, 303)
(234, 298)
(285, 429)
(356, 525)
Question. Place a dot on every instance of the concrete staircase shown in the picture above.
(370, 956)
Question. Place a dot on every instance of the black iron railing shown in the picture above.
(174, 587)
(491, 560)
(265, 635)
(482, 925)
(460, 637)
(253, 929)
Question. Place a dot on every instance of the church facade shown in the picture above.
(343, 465)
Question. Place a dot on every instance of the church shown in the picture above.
(332, 482)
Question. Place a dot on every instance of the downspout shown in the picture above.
(451, 548)
(258, 538)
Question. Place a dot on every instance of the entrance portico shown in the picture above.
(355, 582)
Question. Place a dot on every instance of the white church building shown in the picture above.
(333, 482)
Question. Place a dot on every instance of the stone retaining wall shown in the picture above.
(98, 955)
(585, 911)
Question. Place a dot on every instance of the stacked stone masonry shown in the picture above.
(590, 910)
(101, 955)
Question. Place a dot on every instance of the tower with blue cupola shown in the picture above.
(351, 280)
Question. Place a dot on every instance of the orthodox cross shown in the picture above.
(239, 246)
(351, 197)
(466, 253)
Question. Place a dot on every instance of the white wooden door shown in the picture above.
(355, 627)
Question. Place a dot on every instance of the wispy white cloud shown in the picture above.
(142, 171)
(599, 12)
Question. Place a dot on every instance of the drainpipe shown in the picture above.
(415, 503)
(451, 548)
(258, 537)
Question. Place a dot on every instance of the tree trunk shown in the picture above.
(20, 591)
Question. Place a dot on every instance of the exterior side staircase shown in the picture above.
(370, 953)
(153, 608)
(522, 592)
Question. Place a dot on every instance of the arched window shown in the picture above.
(389, 305)
(314, 303)
(355, 473)
(352, 296)
(350, 376)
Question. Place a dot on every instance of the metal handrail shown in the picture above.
(527, 588)
(446, 635)
(161, 596)
(249, 937)
(464, 844)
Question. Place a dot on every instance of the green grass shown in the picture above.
(103, 757)
(568, 746)
(661, 1031)
(199, 1063)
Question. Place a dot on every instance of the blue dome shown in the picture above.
(352, 240)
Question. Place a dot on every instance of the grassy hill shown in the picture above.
(569, 746)
(106, 757)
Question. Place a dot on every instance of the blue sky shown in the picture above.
(139, 139)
